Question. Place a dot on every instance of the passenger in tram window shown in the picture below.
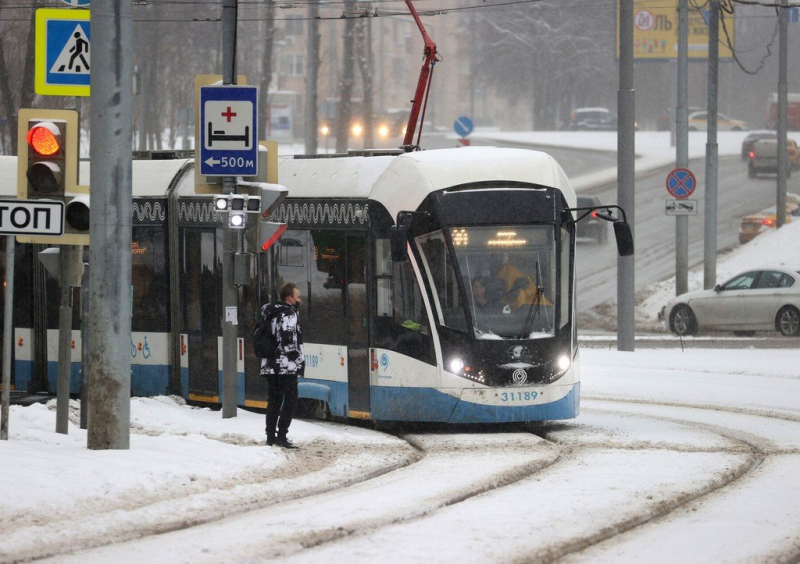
(287, 365)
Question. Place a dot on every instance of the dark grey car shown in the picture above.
(591, 228)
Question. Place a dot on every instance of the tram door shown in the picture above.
(357, 329)
(201, 311)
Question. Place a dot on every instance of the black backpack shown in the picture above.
(265, 343)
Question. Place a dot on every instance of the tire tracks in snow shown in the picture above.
(317, 468)
(761, 447)
(405, 494)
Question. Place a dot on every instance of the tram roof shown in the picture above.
(402, 182)
(151, 178)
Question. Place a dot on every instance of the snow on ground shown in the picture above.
(185, 461)
(187, 464)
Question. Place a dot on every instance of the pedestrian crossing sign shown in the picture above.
(63, 63)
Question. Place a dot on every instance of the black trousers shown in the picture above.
(282, 391)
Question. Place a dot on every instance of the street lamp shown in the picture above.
(326, 133)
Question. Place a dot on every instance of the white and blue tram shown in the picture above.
(465, 313)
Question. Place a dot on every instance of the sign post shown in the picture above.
(463, 126)
(681, 183)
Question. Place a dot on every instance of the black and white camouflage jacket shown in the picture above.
(286, 327)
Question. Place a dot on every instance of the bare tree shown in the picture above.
(26, 90)
(558, 54)
(365, 65)
(266, 66)
(312, 75)
(347, 81)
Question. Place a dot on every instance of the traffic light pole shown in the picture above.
(230, 239)
(8, 337)
(66, 275)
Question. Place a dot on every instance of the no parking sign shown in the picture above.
(681, 183)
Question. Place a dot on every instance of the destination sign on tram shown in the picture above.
(31, 217)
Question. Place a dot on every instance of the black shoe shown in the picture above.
(285, 443)
(271, 441)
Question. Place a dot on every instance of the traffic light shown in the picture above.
(47, 169)
(237, 206)
(264, 233)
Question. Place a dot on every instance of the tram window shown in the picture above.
(290, 252)
(150, 276)
(409, 310)
(442, 278)
(565, 277)
(383, 277)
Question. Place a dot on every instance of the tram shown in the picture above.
(437, 286)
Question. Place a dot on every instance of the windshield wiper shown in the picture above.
(518, 284)
(535, 309)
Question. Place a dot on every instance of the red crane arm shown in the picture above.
(420, 100)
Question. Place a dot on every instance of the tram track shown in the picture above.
(459, 473)
(286, 529)
(738, 456)
(48, 532)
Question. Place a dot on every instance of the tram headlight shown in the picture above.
(563, 363)
(456, 365)
(459, 367)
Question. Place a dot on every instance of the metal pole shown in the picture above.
(682, 147)
(8, 337)
(65, 259)
(783, 88)
(626, 288)
(230, 294)
(712, 149)
(109, 327)
(84, 347)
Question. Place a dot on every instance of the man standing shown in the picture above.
(283, 369)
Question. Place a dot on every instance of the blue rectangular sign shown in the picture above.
(228, 130)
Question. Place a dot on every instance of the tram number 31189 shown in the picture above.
(518, 396)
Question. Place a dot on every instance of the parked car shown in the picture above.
(757, 300)
(591, 228)
(592, 119)
(763, 157)
(666, 119)
(698, 121)
(757, 223)
(754, 136)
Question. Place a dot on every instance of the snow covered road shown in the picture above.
(675, 457)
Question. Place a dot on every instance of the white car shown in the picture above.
(698, 121)
(756, 300)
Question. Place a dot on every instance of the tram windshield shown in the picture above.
(509, 274)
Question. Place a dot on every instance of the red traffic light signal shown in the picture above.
(44, 138)
(46, 158)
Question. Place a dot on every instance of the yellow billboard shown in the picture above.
(655, 31)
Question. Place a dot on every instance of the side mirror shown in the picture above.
(398, 238)
(717, 288)
(622, 231)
